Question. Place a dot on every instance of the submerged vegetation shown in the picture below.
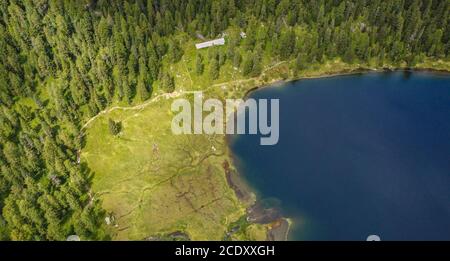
(65, 62)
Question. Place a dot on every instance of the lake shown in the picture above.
(358, 155)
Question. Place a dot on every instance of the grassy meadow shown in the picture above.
(155, 183)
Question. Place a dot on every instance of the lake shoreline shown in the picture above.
(280, 226)
(346, 72)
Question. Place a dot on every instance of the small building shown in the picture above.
(220, 41)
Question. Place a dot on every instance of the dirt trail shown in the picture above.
(249, 79)
(174, 95)
(137, 107)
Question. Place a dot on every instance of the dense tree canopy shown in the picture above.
(64, 61)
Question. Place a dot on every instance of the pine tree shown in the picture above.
(214, 69)
(142, 90)
(247, 65)
(114, 127)
(168, 83)
(199, 66)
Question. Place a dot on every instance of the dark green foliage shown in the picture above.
(63, 62)
(252, 64)
(237, 60)
(286, 44)
(167, 82)
(114, 127)
(199, 66)
(300, 62)
(214, 69)
(175, 51)
(247, 65)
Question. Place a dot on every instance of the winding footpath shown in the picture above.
(174, 95)
(137, 107)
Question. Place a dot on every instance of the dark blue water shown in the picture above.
(358, 155)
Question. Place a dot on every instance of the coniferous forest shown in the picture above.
(64, 61)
